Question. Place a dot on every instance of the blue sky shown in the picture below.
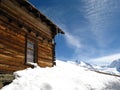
(92, 28)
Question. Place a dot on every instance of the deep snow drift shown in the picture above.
(64, 76)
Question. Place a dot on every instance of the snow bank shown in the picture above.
(64, 76)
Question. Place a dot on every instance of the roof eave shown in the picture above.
(35, 11)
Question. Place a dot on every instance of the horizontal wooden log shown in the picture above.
(44, 54)
(2, 27)
(26, 17)
(3, 19)
(13, 41)
(10, 35)
(3, 48)
(45, 64)
(20, 31)
(10, 54)
(44, 50)
(11, 62)
(15, 31)
(45, 57)
(9, 68)
(12, 59)
(12, 46)
(42, 45)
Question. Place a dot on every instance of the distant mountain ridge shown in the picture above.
(115, 64)
(113, 68)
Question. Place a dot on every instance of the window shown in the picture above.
(30, 51)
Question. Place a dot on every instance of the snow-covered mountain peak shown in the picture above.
(113, 68)
(115, 64)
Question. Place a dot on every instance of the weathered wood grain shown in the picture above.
(26, 17)
(18, 25)
(9, 68)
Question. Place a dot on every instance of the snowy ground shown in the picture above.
(64, 76)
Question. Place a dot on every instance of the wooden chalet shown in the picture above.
(26, 35)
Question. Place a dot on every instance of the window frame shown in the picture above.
(35, 49)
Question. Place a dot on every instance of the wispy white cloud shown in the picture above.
(105, 60)
(99, 14)
(88, 35)
(73, 40)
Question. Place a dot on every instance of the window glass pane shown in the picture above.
(30, 51)
(30, 55)
(30, 60)
(30, 45)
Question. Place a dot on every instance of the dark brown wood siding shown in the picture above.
(12, 50)
(45, 54)
(21, 14)
(17, 25)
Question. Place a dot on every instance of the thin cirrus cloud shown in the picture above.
(99, 14)
(105, 60)
(86, 31)
(73, 41)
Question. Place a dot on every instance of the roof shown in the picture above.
(38, 14)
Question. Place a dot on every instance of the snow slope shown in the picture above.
(86, 65)
(64, 76)
(113, 68)
(82, 64)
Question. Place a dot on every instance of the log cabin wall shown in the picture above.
(11, 50)
(26, 35)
